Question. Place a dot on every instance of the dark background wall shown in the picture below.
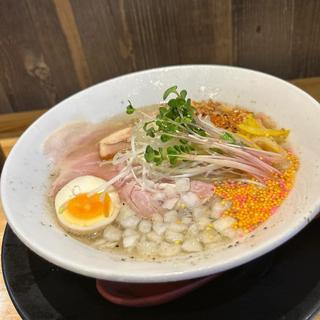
(50, 49)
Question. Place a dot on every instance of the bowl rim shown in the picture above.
(189, 273)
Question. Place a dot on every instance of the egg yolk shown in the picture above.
(89, 207)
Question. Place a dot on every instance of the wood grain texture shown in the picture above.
(15, 46)
(50, 49)
(62, 77)
(306, 39)
(180, 32)
(144, 34)
(105, 37)
(5, 105)
(36, 68)
(13, 124)
(310, 85)
(262, 32)
(70, 30)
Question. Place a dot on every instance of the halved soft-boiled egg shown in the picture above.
(80, 211)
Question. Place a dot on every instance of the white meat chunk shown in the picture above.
(114, 142)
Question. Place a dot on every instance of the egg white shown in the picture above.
(84, 184)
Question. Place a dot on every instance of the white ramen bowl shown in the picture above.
(24, 181)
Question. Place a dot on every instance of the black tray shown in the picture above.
(283, 284)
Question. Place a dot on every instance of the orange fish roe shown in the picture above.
(253, 204)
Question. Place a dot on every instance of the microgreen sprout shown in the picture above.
(228, 137)
(176, 136)
(174, 118)
(130, 108)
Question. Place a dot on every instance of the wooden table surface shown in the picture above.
(12, 125)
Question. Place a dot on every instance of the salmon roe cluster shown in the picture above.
(253, 204)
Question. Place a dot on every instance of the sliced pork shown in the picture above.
(139, 200)
(75, 152)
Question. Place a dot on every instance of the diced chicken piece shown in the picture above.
(170, 203)
(218, 206)
(157, 217)
(112, 233)
(202, 189)
(130, 238)
(152, 236)
(170, 216)
(223, 223)
(209, 236)
(190, 199)
(203, 222)
(159, 228)
(192, 245)
(145, 226)
(172, 236)
(177, 227)
(130, 241)
(116, 141)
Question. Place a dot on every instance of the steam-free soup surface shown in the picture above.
(170, 179)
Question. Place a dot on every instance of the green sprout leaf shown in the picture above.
(162, 111)
(151, 132)
(130, 108)
(183, 94)
(153, 155)
(172, 155)
(169, 91)
(149, 154)
(228, 137)
(165, 138)
(175, 118)
(176, 103)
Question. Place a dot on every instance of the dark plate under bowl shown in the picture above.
(284, 284)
